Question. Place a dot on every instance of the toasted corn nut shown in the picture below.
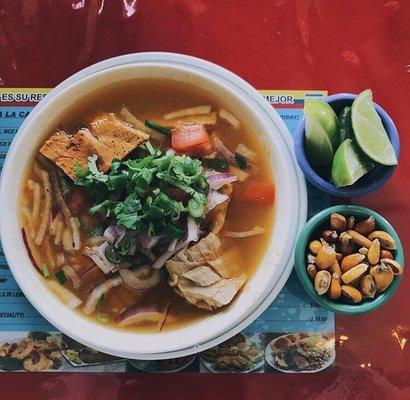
(374, 252)
(354, 273)
(394, 265)
(338, 222)
(347, 244)
(351, 261)
(335, 268)
(386, 241)
(360, 239)
(386, 254)
(368, 286)
(322, 282)
(364, 251)
(315, 246)
(351, 294)
(383, 276)
(311, 271)
(330, 236)
(350, 222)
(325, 257)
(335, 289)
(366, 226)
(372, 270)
(339, 257)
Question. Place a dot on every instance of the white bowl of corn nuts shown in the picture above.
(349, 259)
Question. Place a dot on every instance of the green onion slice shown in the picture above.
(195, 208)
(44, 270)
(159, 128)
(60, 276)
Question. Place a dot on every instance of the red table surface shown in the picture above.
(339, 46)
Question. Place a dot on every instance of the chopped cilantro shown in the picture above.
(94, 171)
(133, 193)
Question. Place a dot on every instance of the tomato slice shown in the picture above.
(191, 139)
(255, 192)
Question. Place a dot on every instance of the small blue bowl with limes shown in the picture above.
(346, 145)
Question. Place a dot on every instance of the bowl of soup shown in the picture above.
(150, 205)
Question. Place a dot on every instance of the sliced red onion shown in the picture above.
(114, 234)
(217, 180)
(165, 313)
(143, 278)
(257, 230)
(223, 150)
(172, 244)
(208, 172)
(30, 253)
(142, 314)
(147, 241)
(214, 199)
(164, 257)
(192, 230)
(98, 256)
(109, 234)
(100, 289)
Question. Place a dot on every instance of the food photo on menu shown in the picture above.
(165, 213)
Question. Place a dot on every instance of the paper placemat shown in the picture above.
(291, 317)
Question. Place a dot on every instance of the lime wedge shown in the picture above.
(369, 130)
(349, 164)
(321, 132)
(345, 124)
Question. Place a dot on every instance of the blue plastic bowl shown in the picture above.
(369, 183)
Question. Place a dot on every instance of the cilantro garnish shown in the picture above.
(134, 195)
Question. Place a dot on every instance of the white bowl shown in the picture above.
(260, 290)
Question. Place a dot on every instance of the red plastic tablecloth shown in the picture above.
(339, 46)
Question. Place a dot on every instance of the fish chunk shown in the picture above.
(108, 137)
(214, 296)
(208, 248)
(226, 265)
(202, 276)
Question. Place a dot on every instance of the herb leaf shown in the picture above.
(134, 195)
(92, 166)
